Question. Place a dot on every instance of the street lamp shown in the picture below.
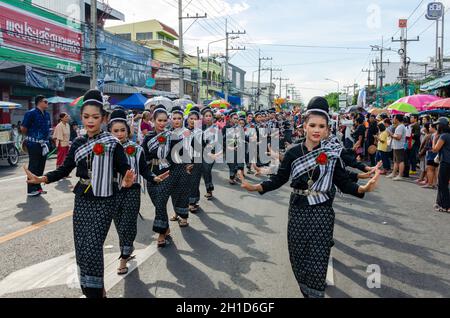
(207, 65)
(339, 89)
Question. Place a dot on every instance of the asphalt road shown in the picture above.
(235, 247)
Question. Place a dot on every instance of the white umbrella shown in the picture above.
(183, 103)
(60, 100)
(160, 100)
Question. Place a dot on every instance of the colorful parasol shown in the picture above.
(442, 103)
(418, 101)
(220, 103)
(403, 108)
(78, 102)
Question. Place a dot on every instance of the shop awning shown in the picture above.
(9, 105)
(235, 100)
(436, 84)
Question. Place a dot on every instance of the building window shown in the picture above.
(125, 36)
(144, 36)
(170, 41)
(161, 36)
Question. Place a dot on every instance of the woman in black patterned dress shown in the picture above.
(314, 166)
(129, 200)
(96, 156)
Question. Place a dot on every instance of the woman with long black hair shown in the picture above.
(314, 166)
(96, 156)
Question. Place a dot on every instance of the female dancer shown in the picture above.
(157, 149)
(314, 166)
(196, 172)
(95, 156)
(210, 139)
(180, 197)
(129, 200)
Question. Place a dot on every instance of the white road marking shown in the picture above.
(330, 272)
(62, 270)
(18, 178)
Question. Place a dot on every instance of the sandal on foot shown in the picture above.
(122, 271)
(183, 223)
(194, 208)
(175, 218)
(209, 196)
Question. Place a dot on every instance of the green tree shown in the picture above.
(333, 101)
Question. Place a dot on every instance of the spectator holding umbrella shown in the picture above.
(441, 145)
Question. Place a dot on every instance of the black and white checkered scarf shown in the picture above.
(163, 149)
(102, 165)
(308, 163)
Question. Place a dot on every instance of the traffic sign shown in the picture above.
(435, 11)
(403, 23)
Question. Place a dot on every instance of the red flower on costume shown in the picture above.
(322, 159)
(131, 151)
(99, 149)
(162, 140)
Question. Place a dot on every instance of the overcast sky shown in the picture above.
(353, 24)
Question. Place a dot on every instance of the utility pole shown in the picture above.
(271, 69)
(369, 79)
(228, 56)
(280, 79)
(94, 43)
(381, 49)
(404, 56)
(180, 48)
(199, 76)
(258, 93)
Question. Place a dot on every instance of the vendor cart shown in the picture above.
(8, 149)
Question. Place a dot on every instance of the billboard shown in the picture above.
(34, 36)
(121, 61)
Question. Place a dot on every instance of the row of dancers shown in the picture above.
(171, 162)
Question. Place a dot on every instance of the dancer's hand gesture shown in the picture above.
(128, 179)
(372, 184)
(247, 186)
(189, 169)
(162, 177)
(32, 178)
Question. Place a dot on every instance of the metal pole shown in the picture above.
(198, 75)
(442, 45)
(226, 62)
(94, 43)
(180, 49)
(270, 87)
(259, 81)
(437, 45)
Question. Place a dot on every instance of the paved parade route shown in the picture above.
(235, 247)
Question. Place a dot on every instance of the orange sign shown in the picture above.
(403, 23)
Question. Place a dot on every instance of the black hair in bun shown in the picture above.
(160, 109)
(177, 110)
(206, 110)
(318, 106)
(195, 111)
(118, 116)
(93, 97)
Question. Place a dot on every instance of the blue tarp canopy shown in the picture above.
(436, 84)
(235, 100)
(135, 101)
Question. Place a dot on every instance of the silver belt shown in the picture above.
(156, 162)
(305, 192)
(85, 181)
